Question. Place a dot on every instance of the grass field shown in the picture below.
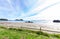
(13, 33)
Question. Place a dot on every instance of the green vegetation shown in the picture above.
(13, 33)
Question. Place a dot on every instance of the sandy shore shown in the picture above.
(20, 25)
(32, 26)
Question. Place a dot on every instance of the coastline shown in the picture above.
(32, 26)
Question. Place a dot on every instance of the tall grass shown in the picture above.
(15, 33)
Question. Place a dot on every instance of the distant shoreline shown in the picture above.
(19, 24)
(32, 26)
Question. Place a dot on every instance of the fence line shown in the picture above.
(34, 28)
(42, 29)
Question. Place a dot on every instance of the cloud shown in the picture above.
(29, 9)
(49, 11)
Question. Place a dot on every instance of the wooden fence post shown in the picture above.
(40, 29)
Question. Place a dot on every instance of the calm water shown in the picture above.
(36, 21)
(11, 21)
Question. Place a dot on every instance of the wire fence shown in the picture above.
(42, 29)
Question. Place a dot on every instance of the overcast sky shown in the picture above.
(30, 9)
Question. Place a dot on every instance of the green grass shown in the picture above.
(13, 33)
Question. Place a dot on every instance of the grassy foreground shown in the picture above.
(13, 33)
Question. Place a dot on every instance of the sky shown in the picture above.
(30, 9)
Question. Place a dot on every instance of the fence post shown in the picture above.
(40, 29)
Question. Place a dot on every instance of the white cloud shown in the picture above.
(51, 12)
(45, 9)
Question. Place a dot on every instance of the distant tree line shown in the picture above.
(23, 20)
(28, 22)
(2, 19)
(56, 21)
(19, 20)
